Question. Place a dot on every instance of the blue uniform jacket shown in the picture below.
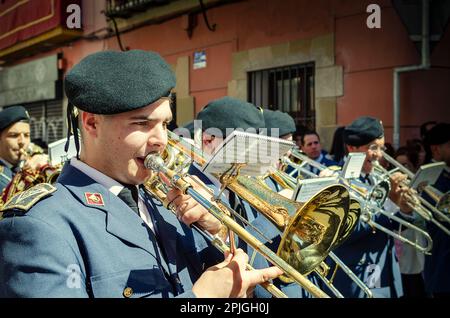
(323, 161)
(436, 271)
(371, 256)
(6, 175)
(65, 247)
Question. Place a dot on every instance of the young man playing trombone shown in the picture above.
(98, 233)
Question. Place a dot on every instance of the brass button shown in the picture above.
(127, 292)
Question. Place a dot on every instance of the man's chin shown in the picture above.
(14, 161)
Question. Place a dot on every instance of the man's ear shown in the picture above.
(351, 148)
(89, 122)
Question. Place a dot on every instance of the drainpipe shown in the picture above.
(425, 64)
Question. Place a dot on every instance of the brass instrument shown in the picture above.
(156, 163)
(307, 237)
(157, 189)
(310, 229)
(435, 214)
(442, 200)
(28, 177)
(313, 227)
(288, 182)
(371, 201)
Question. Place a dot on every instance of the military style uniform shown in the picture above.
(8, 117)
(369, 254)
(436, 273)
(323, 160)
(80, 240)
(6, 175)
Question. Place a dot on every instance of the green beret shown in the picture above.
(12, 115)
(231, 113)
(362, 131)
(438, 135)
(112, 82)
(277, 119)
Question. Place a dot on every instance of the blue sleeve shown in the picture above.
(37, 261)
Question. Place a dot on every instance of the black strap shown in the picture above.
(72, 127)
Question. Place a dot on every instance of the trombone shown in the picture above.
(371, 202)
(288, 182)
(309, 229)
(156, 163)
(153, 186)
(422, 206)
(281, 211)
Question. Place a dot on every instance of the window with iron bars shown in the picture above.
(46, 120)
(289, 89)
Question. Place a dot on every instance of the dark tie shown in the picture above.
(129, 194)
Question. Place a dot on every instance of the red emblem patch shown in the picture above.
(94, 198)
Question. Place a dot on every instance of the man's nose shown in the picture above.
(159, 137)
(21, 139)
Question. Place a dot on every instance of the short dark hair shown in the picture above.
(338, 149)
(308, 132)
(423, 128)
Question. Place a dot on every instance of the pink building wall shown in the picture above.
(368, 56)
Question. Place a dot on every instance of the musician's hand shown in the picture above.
(396, 180)
(401, 194)
(328, 173)
(407, 200)
(230, 279)
(36, 162)
(190, 211)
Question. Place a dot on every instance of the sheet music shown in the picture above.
(56, 151)
(307, 188)
(259, 153)
(353, 165)
(427, 175)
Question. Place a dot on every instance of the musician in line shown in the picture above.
(219, 118)
(436, 272)
(98, 233)
(225, 115)
(282, 125)
(14, 139)
(279, 125)
(311, 146)
(371, 254)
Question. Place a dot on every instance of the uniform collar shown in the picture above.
(109, 183)
(120, 221)
(319, 159)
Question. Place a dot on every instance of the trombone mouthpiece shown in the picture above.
(154, 162)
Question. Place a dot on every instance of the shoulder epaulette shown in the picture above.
(23, 201)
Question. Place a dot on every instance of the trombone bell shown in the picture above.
(314, 230)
